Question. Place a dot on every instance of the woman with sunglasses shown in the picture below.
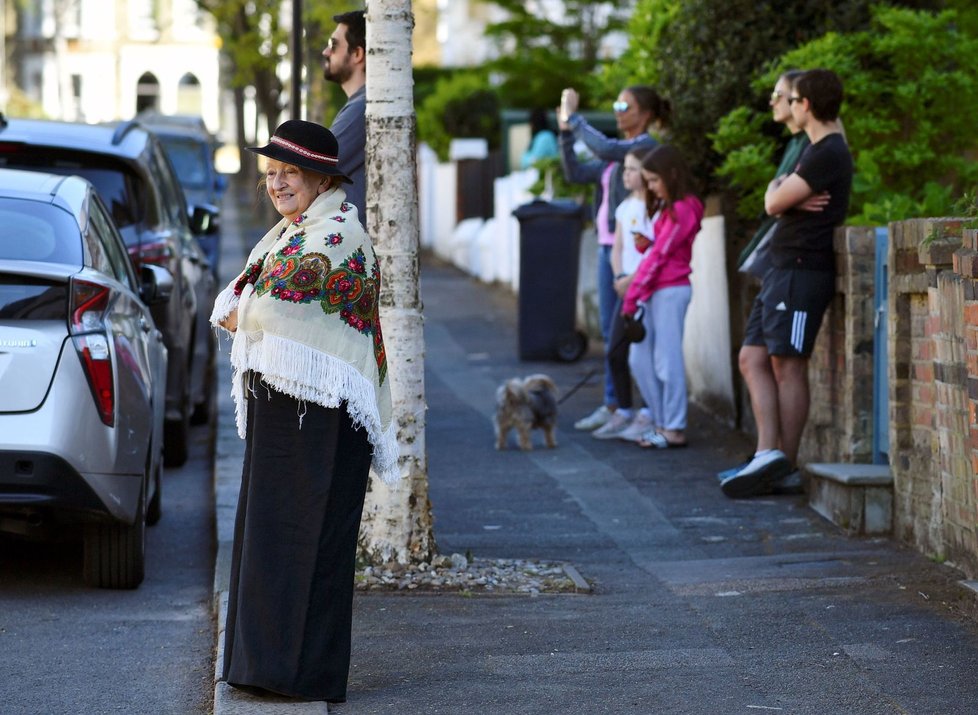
(638, 110)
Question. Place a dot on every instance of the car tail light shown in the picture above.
(87, 326)
(155, 252)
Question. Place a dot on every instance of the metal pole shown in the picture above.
(297, 59)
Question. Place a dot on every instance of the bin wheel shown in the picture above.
(572, 346)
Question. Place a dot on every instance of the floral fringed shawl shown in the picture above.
(308, 321)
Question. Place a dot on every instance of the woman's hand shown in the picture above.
(562, 123)
(569, 102)
(642, 242)
(621, 285)
(230, 323)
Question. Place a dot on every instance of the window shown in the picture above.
(33, 231)
(147, 92)
(189, 95)
(100, 230)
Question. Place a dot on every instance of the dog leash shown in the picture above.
(590, 373)
(579, 385)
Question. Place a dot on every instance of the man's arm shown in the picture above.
(350, 129)
(786, 193)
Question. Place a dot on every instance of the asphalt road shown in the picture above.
(66, 648)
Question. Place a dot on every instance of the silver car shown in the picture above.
(82, 375)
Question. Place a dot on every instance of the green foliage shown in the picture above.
(256, 43)
(908, 121)
(461, 105)
(709, 50)
(552, 178)
(539, 55)
(639, 63)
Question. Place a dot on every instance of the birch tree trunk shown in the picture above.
(397, 522)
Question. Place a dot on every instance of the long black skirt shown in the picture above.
(290, 605)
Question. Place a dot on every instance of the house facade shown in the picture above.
(100, 60)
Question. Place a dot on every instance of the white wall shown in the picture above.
(706, 340)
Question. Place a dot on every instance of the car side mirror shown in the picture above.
(203, 219)
(157, 284)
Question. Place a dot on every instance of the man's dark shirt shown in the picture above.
(803, 239)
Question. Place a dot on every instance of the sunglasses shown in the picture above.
(620, 107)
(792, 100)
(776, 95)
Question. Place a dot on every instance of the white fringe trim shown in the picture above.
(307, 374)
(225, 302)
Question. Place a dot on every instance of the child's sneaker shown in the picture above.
(613, 428)
(593, 420)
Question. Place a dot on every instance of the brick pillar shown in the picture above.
(918, 515)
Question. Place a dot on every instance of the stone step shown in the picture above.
(858, 498)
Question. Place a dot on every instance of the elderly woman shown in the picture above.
(313, 404)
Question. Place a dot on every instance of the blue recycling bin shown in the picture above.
(550, 248)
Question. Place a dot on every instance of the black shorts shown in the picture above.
(788, 311)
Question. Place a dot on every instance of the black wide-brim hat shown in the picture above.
(304, 144)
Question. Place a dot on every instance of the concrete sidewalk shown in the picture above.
(699, 604)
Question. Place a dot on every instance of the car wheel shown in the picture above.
(154, 510)
(205, 408)
(115, 553)
(176, 433)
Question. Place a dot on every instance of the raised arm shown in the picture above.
(605, 148)
(575, 170)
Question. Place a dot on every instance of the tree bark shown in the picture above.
(397, 523)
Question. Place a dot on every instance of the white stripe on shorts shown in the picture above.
(798, 329)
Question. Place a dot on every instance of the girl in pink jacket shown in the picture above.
(661, 284)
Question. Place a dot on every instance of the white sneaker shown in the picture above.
(639, 426)
(756, 478)
(613, 428)
(593, 420)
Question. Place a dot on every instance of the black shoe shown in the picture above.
(758, 476)
(792, 483)
(733, 470)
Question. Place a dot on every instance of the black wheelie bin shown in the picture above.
(550, 247)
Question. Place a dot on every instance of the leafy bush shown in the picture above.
(461, 106)
(552, 179)
(702, 55)
(909, 122)
(540, 53)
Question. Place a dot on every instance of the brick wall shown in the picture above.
(932, 344)
(933, 352)
(840, 425)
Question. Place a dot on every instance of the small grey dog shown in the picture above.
(526, 404)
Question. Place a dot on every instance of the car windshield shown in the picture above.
(119, 189)
(189, 159)
(34, 231)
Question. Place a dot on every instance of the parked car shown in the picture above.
(190, 148)
(82, 375)
(136, 181)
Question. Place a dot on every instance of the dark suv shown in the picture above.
(190, 148)
(136, 181)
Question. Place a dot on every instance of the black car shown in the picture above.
(135, 180)
(190, 148)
